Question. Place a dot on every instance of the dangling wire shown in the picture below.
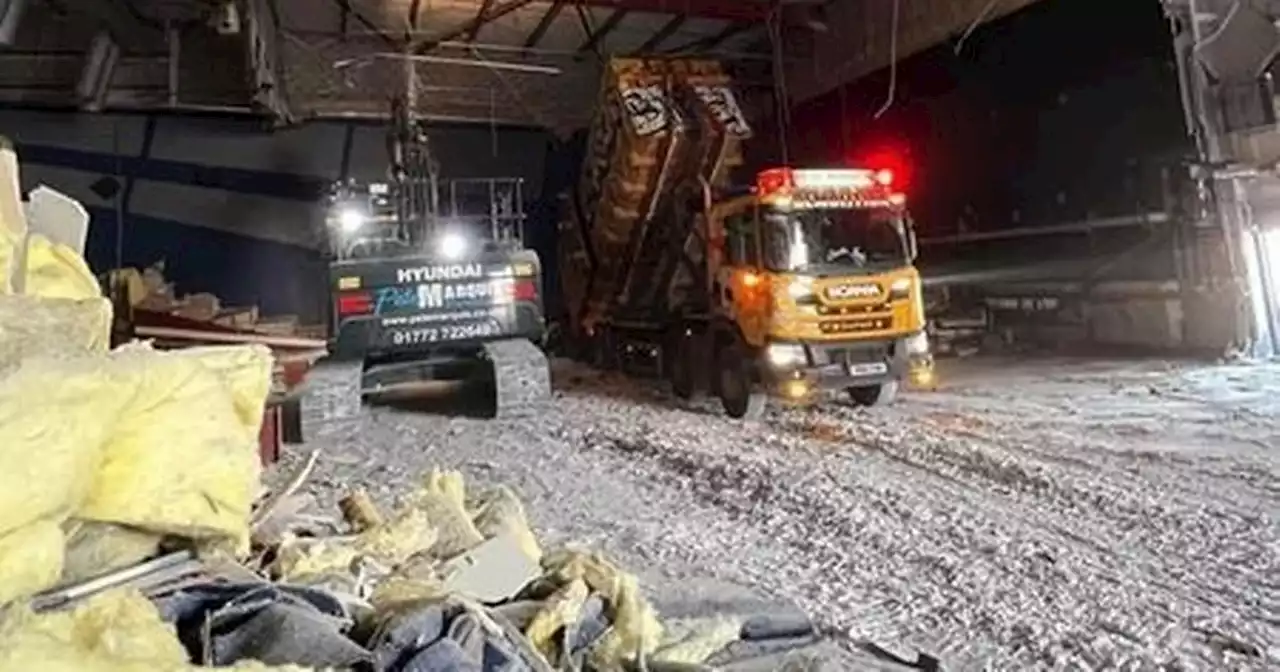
(893, 62)
(977, 21)
(780, 96)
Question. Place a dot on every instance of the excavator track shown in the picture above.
(521, 378)
(333, 394)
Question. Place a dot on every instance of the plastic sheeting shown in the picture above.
(118, 631)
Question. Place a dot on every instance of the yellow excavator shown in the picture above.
(799, 282)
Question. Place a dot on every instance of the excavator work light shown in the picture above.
(453, 245)
(350, 220)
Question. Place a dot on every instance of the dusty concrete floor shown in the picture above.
(1030, 514)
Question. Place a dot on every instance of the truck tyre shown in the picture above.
(737, 388)
(874, 395)
(604, 355)
(684, 372)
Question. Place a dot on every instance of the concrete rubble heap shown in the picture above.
(134, 536)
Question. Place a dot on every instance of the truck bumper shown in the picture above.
(797, 370)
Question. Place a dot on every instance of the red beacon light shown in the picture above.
(774, 181)
(783, 182)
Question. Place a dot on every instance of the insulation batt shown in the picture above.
(55, 271)
(30, 559)
(32, 326)
(147, 439)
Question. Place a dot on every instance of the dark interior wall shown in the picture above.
(232, 208)
(1057, 113)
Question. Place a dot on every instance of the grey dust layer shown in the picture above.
(1030, 515)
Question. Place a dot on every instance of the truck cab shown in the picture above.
(813, 288)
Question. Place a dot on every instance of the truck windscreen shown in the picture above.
(834, 239)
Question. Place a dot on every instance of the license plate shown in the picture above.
(443, 333)
(868, 369)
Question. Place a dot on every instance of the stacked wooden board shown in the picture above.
(147, 290)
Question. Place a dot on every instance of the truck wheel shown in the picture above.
(684, 372)
(604, 355)
(738, 392)
(874, 395)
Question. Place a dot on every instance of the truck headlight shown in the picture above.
(900, 289)
(786, 355)
(917, 344)
(801, 290)
(800, 287)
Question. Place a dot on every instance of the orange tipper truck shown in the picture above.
(802, 281)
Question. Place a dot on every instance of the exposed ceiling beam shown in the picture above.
(415, 18)
(58, 7)
(593, 42)
(497, 12)
(485, 7)
(712, 41)
(262, 47)
(666, 31)
(728, 10)
(345, 9)
(123, 25)
(544, 24)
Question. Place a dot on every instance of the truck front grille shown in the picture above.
(853, 354)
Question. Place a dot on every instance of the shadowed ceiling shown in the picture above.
(526, 62)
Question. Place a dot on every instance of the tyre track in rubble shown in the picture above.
(1149, 423)
(902, 535)
(1210, 554)
(1180, 512)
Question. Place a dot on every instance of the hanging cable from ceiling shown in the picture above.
(893, 62)
(780, 97)
(977, 21)
(534, 111)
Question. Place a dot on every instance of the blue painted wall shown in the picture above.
(231, 207)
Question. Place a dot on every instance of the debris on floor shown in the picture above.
(133, 534)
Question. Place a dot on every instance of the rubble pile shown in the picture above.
(134, 535)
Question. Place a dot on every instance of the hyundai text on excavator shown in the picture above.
(802, 282)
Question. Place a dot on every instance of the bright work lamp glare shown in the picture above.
(452, 245)
(350, 220)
